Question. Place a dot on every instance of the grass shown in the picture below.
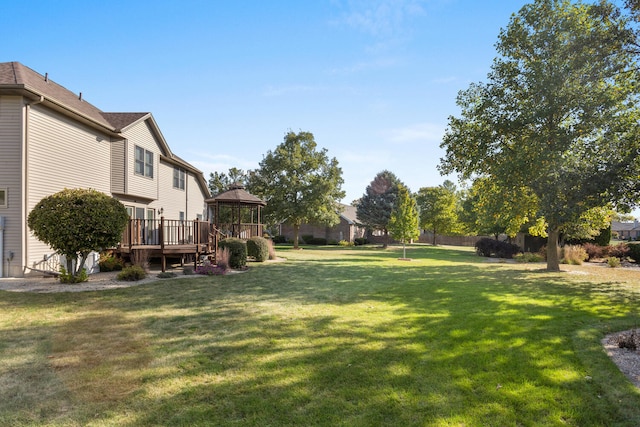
(332, 337)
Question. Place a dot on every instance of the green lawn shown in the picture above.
(333, 336)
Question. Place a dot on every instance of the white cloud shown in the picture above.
(381, 18)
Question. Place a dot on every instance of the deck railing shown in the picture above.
(165, 232)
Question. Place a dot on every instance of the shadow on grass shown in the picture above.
(339, 341)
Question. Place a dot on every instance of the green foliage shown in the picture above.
(613, 262)
(558, 115)
(66, 277)
(634, 251)
(528, 257)
(299, 183)
(258, 248)
(604, 237)
(219, 182)
(374, 208)
(487, 247)
(110, 262)
(237, 251)
(438, 209)
(76, 222)
(359, 241)
(491, 209)
(132, 273)
(167, 275)
(404, 221)
(345, 243)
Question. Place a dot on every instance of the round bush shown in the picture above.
(258, 248)
(634, 251)
(237, 251)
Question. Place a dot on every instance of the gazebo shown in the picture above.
(236, 213)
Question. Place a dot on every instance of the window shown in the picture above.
(178, 178)
(3, 198)
(144, 162)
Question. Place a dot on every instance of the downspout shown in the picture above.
(1, 246)
(25, 187)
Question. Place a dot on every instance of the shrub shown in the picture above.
(187, 270)
(315, 241)
(279, 239)
(489, 247)
(306, 238)
(594, 251)
(210, 270)
(132, 273)
(167, 275)
(359, 241)
(258, 248)
(110, 262)
(619, 251)
(237, 251)
(66, 277)
(574, 254)
(345, 243)
(634, 252)
(529, 257)
(613, 262)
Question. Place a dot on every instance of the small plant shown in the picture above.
(529, 257)
(258, 248)
(66, 277)
(187, 270)
(359, 241)
(110, 262)
(613, 262)
(574, 255)
(222, 258)
(166, 275)
(210, 270)
(132, 273)
(630, 340)
(345, 243)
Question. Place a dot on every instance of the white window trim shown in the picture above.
(145, 164)
(181, 178)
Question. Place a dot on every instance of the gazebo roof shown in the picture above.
(236, 194)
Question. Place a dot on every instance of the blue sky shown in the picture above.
(373, 80)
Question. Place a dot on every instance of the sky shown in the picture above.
(374, 80)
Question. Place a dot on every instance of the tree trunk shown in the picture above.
(434, 237)
(296, 230)
(553, 261)
(385, 243)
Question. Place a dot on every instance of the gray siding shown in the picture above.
(11, 136)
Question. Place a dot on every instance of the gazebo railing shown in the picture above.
(243, 230)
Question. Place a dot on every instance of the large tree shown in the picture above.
(374, 208)
(404, 221)
(438, 209)
(76, 222)
(558, 114)
(220, 182)
(299, 183)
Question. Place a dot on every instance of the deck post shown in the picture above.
(196, 235)
(161, 237)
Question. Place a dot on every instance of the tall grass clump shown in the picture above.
(574, 254)
(237, 251)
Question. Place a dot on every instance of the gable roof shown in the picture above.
(349, 214)
(15, 77)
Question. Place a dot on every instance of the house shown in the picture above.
(51, 139)
(347, 229)
(626, 230)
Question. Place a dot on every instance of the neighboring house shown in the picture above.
(626, 230)
(347, 229)
(51, 139)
